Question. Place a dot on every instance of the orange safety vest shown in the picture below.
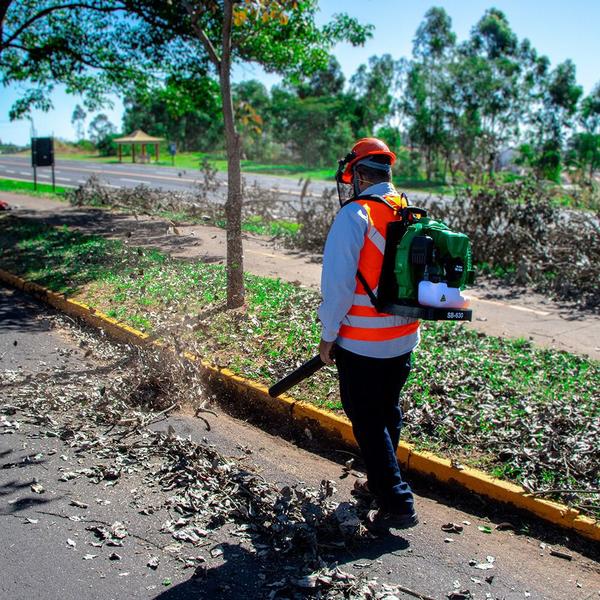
(363, 321)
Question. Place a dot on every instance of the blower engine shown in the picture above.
(425, 268)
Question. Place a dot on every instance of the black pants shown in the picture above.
(370, 392)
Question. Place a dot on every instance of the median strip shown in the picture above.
(112, 283)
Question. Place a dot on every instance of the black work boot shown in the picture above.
(381, 521)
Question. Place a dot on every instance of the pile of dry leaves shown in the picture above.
(106, 415)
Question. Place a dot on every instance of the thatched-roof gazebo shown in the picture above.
(138, 137)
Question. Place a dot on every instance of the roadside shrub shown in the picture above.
(314, 217)
(106, 145)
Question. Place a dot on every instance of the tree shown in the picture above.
(328, 81)
(48, 42)
(81, 45)
(253, 107)
(584, 153)
(186, 110)
(316, 129)
(100, 127)
(372, 90)
(492, 84)
(558, 101)
(281, 35)
(423, 99)
(78, 120)
(584, 146)
(494, 56)
(589, 113)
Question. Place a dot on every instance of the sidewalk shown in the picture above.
(497, 310)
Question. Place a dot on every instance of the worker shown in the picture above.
(372, 351)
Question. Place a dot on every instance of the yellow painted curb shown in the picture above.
(424, 463)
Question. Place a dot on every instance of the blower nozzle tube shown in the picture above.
(310, 367)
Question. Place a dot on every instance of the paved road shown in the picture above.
(498, 311)
(37, 561)
(72, 173)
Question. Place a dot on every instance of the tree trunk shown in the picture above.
(233, 206)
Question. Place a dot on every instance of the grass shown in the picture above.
(473, 396)
(26, 187)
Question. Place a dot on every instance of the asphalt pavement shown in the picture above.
(72, 173)
(48, 550)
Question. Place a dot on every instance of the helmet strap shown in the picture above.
(355, 184)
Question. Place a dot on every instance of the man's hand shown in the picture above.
(326, 350)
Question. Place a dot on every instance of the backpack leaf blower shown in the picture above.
(425, 268)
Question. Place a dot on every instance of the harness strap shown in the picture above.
(368, 289)
(374, 197)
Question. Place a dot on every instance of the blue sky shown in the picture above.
(556, 28)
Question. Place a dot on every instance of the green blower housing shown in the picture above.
(419, 248)
(430, 250)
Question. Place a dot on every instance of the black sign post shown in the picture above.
(42, 155)
(173, 152)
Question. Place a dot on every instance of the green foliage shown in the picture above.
(328, 81)
(44, 43)
(407, 164)
(100, 129)
(559, 95)
(434, 37)
(584, 152)
(311, 127)
(185, 110)
(372, 89)
(106, 145)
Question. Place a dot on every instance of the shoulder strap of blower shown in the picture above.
(372, 197)
(375, 198)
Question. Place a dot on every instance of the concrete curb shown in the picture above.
(424, 463)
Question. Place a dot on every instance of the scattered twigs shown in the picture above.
(564, 491)
(158, 416)
(413, 593)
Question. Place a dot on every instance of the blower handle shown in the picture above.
(310, 367)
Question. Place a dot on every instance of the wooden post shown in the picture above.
(143, 153)
(156, 147)
(133, 152)
(120, 152)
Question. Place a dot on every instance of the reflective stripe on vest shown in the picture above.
(363, 322)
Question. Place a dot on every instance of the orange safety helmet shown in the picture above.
(364, 148)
